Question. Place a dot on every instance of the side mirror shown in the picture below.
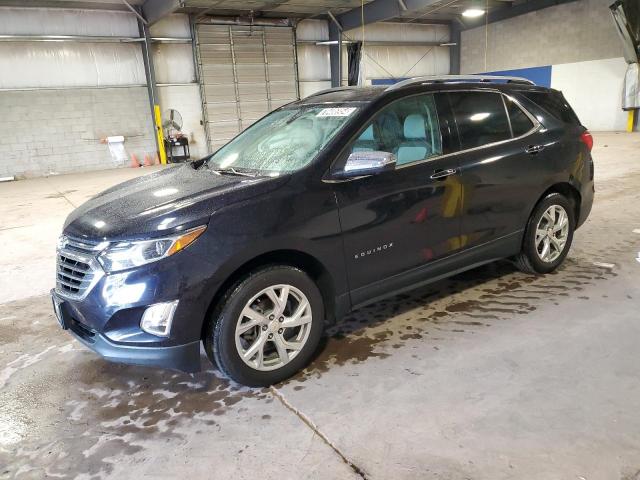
(367, 163)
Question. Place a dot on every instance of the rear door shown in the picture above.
(502, 164)
(400, 220)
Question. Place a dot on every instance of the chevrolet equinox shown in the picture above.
(323, 205)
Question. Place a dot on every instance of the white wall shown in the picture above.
(593, 89)
(70, 64)
(66, 21)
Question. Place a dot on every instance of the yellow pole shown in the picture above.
(630, 122)
(158, 119)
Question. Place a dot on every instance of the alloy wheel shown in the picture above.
(273, 327)
(552, 232)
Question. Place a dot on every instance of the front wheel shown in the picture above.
(267, 327)
(548, 235)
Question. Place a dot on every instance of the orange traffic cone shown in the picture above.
(147, 160)
(134, 161)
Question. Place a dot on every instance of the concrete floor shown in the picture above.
(490, 375)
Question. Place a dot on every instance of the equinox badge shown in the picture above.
(378, 249)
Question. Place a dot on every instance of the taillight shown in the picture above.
(587, 139)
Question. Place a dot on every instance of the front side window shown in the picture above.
(481, 118)
(284, 141)
(408, 128)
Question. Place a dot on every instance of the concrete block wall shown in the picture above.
(578, 31)
(59, 130)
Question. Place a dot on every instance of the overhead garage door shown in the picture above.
(245, 72)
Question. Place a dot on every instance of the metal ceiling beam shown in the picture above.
(335, 53)
(152, 89)
(80, 4)
(68, 38)
(455, 38)
(381, 10)
(135, 12)
(515, 10)
(154, 10)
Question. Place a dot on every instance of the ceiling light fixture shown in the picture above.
(473, 12)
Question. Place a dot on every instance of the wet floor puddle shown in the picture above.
(113, 408)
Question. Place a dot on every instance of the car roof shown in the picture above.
(345, 94)
(371, 93)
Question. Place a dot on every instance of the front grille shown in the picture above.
(77, 269)
(72, 274)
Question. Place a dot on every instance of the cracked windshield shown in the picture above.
(285, 141)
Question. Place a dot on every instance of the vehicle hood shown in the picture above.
(163, 202)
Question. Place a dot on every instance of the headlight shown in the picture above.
(124, 255)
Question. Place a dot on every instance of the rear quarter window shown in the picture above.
(520, 122)
(555, 104)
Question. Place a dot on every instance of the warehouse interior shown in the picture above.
(489, 374)
(98, 75)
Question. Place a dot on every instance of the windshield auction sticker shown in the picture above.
(336, 112)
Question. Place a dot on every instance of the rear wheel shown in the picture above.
(267, 327)
(548, 235)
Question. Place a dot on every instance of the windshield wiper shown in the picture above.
(230, 171)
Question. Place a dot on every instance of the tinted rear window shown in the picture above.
(481, 118)
(555, 104)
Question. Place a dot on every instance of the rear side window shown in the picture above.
(555, 104)
(520, 122)
(481, 118)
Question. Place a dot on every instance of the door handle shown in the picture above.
(533, 149)
(440, 174)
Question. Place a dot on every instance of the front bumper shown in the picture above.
(107, 319)
(184, 357)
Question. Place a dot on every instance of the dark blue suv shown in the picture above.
(325, 204)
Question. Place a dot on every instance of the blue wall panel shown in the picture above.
(538, 75)
(386, 81)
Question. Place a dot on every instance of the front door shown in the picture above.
(399, 220)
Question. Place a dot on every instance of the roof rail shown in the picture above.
(333, 89)
(458, 78)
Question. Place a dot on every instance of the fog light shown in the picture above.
(157, 318)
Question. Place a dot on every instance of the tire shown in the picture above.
(530, 260)
(267, 363)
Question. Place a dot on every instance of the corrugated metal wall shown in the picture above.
(381, 61)
(60, 98)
